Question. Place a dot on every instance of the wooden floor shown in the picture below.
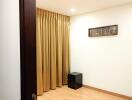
(83, 93)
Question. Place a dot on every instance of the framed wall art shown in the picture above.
(103, 31)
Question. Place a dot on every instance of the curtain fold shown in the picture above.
(52, 50)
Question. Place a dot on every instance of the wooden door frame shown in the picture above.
(28, 49)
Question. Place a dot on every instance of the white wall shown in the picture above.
(9, 50)
(106, 62)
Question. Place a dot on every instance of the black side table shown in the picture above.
(75, 80)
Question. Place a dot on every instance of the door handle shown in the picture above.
(34, 96)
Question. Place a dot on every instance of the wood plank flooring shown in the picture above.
(83, 93)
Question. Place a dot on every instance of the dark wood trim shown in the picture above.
(28, 48)
(108, 92)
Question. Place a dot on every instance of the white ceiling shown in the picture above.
(81, 6)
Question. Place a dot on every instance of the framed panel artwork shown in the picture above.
(103, 31)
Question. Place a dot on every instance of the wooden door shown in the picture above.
(28, 49)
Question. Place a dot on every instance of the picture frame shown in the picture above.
(103, 31)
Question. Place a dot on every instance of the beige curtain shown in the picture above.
(52, 50)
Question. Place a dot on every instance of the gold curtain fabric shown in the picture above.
(52, 50)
